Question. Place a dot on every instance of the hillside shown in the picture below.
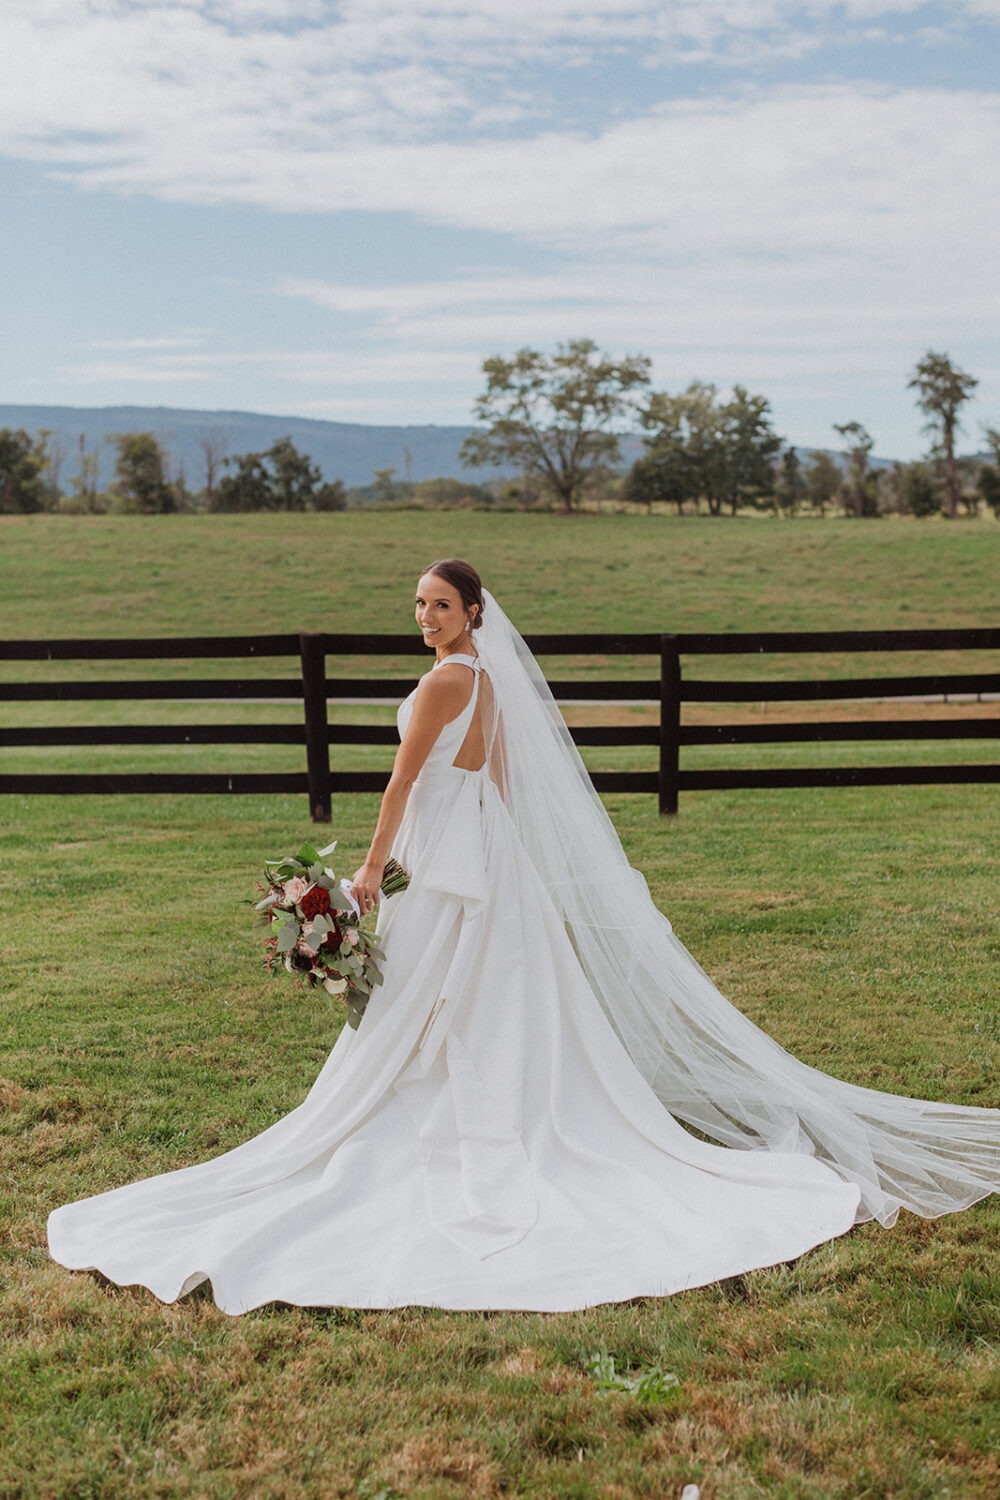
(348, 451)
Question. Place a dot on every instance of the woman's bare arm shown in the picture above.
(440, 698)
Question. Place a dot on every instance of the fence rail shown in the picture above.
(669, 689)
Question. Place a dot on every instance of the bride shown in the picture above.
(548, 1105)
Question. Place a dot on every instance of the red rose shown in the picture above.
(315, 902)
(333, 939)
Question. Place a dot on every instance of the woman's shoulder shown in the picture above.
(445, 686)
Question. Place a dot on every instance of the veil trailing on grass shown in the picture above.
(710, 1065)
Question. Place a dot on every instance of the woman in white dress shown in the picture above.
(504, 1128)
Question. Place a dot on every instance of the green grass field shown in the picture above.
(858, 926)
(223, 575)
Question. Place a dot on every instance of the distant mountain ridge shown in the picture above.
(350, 451)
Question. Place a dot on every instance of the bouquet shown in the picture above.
(315, 930)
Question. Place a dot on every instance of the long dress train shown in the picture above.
(484, 1140)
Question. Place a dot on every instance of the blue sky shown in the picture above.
(339, 210)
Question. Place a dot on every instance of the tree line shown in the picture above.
(281, 478)
(559, 420)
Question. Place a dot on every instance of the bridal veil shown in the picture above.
(711, 1066)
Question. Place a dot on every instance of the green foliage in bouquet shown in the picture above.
(314, 928)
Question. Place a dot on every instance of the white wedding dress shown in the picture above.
(485, 1139)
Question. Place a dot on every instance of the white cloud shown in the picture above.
(195, 99)
(758, 317)
(840, 174)
(744, 229)
(295, 367)
(846, 169)
(178, 341)
(384, 105)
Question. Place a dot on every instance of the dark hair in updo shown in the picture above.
(463, 577)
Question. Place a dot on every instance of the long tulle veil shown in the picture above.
(710, 1065)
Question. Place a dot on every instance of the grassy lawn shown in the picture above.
(857, 925)
(226, 575)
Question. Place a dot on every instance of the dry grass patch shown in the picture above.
(464, 1464)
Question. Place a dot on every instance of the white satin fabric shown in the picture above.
(482, 1141)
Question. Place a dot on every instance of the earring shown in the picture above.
(468, 624)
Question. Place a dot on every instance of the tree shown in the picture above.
(280, 479)
(701, 449)
(859, 486)
(942, 390)
(85, 480)
(22, 488)
(968, 478)
(750, 446)
(653, 477)
(918, 488)
(989, 487)
(294, 476)
(823, 480)
(213, 444)
(51, 449)
(248, 488)
(330, 495)
(790, 485)
(140, 474)
(385, 489)
(989, 474)
(682, 450)
(555, 416)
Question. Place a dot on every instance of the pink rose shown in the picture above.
(295, 888)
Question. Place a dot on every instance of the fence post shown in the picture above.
(313, 655)
(670, 723)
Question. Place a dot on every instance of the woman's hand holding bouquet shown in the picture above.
(315, 929)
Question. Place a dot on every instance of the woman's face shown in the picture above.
(441, 614)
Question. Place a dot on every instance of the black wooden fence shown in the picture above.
(669, 688)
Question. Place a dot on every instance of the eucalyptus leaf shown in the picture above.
(307, 855)
(288, 937)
